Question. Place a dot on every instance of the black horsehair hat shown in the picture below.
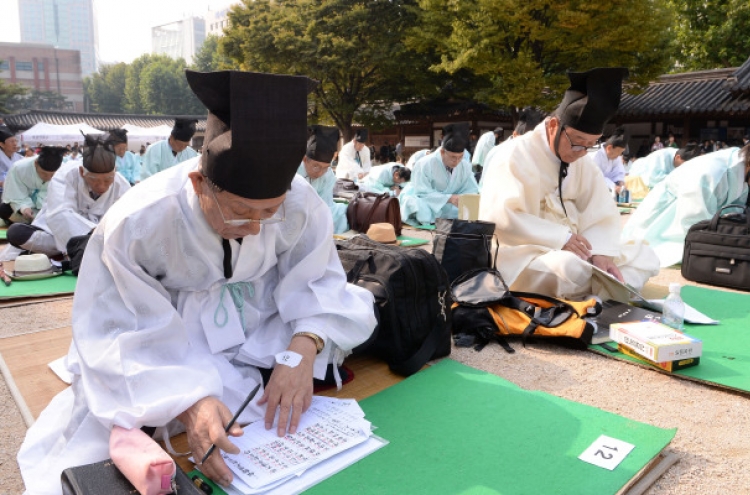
(50, 157)
(183, 129)
(456, 137)
(5, 133)
(592, 99)
(256, 129)
(98, 155)
(117, 136)
(360, 135)
(322, 143)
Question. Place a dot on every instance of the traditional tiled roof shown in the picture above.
(446, 109)
(718, 92)
(103, 121)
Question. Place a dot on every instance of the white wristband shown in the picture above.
(289, 358)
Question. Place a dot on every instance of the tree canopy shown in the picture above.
(210, 57)
(354, 48)
(106, 88)
(9, 92)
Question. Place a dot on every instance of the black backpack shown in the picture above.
(412, 300)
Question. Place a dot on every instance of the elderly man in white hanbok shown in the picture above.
(128, 164)
(78, 196)
(609, 160)
(692, 193)
(354, 158)
(486, 142)
(25, 191)
(388, 178)
(177, 313)
(316, 170)
(438, 179)
(167, 153)
(551, 240)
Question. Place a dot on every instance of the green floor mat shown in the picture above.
(424, 226)
(62, 284)
(726, 347)
(458, 430)
(411, 241)
(3, 233)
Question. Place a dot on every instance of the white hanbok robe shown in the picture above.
(612, 170)
(485, 143)
(380, 179)
(6, 163)
(488, 159)
(158, 157)
(654, 167)
(323, 185)
(349, 167)
(426, 196)
(693, 192)
(70, 210)
(157, 327)
(129, 165)
(414, 158)
(521, 197)
(24, 188)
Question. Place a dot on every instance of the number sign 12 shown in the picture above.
(606, 452)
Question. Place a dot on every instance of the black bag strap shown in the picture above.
(429, 346)
(715, 220)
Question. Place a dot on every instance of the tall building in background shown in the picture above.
(66, 24)
(180, 39)
(216, 21)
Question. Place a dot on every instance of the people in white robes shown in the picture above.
(654, 167)
(8, 152)
(316, 170)
(415, 157)
(609, 160)
(550, 240)
(438, 179)
(693, 192)
(127, 164)
(388, 178)
(77, 199)
(486, 142)
(167, 153)
(354, 158)
(25, 191)
(177, 313)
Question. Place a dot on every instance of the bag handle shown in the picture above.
(714, 225)
(378, 199)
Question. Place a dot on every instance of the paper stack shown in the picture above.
(332, 434)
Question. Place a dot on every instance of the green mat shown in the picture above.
(457, 430)
(424, 226)
(3, 233)
(411, 241)
(726, 347)
(63, 284)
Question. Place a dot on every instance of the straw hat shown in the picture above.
(33, 266)
(384, 233)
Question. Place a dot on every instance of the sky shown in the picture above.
(124, 26)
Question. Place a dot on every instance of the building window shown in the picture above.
(27, 66)
(4, 65)
(40, 66)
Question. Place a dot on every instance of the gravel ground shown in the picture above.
(711, 423)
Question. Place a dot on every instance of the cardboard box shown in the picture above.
(656, 341)
(468, 207)
(670, 366)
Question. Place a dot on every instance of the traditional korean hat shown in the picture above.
(50, 157)
(184, 129)
(456, 137)
(98, 155)
(255, 132)
(34, 266)
(118, 136)
(5, 133)
(384, 233)
(322, 143)
(592, 99)
(361, 135)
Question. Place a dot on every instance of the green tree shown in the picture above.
(210, 58)
(38, 100)
(164, 89)
(712, 34)
(105, 89)
(354, 48)
(8, 93)
(523, 48)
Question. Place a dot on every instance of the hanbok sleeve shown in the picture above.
(16, 192)
(62, 217)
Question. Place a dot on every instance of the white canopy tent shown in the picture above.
(56, 135)
(138, 136)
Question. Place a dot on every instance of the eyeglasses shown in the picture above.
(580, 147)
(276, 218)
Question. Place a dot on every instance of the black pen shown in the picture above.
(233, 420)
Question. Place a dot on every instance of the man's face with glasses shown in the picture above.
(233, 216)
(573, 143)
(314, 168)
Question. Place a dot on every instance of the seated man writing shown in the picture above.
(25, 190)
(554, 216)
(389, 178)
(316, 169)
(438, 179)
(77, 198)
(206, 280)
(354, 158)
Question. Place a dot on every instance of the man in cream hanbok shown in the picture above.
(167, 153)
(354, 158)
(234, 282)
(555, 219)
(438, 179)
(388, 178)
(691, 193)
(316, 169)
(128, 165)
(25, 191)
(78, 196)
